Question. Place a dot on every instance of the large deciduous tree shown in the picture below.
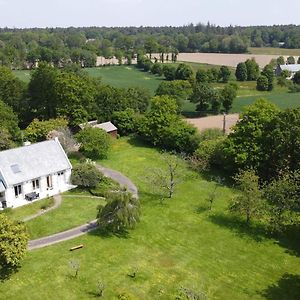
(241, 72)
(13, 242)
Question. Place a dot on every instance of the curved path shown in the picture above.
(57, 203)
(80, 230)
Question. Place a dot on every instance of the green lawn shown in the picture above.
(126, 76)
(274, 51)
(177, 244)
(74, 211)
(30, 209)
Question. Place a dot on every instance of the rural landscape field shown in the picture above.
(145, 154)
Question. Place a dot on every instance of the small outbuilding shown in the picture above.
(293, 69)
(109, 127)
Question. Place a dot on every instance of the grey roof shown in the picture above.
(291, 68)
(29, 162)
(2, 187)
(107, 126)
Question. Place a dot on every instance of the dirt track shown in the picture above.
(214, 122)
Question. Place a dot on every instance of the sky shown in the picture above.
(66, 13)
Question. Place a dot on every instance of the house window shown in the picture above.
(18, 190)
(35, 184)
(49, 181)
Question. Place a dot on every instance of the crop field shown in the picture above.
(274, 51)
(220, 59)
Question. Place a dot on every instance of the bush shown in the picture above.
(94, 142)
(86, 175)
(169, 72)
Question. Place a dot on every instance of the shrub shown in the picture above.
(94, 142)
(262, 83)
(86, 175)
(126, 121)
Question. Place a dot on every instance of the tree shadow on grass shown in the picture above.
(138, 142)
(290, 240)
(287, 288)
(258, 232)
(106, 234)
(240, 227)
(6, 273)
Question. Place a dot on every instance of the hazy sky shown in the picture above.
(65, 13)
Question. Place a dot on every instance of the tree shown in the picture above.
(298, 60)
(43, 103)
(38, 131)
(166, 177)
(244, 147)
(262, 83)
(201, 75)
(204, 95)
(169, 72)
(249, 201)
(10, 132)
(291, 60)
(228, 94)
(94, 142)
(184, 72)
(282, 196)
(122, 212)
(269, 73)
(241, 72)
(86, 175)
(296, 78)
(224, 74)
(74, 97)
(180, 90)
(12, 90)
(280, 60)
(13, 242)
(126, 121)
(252, 69)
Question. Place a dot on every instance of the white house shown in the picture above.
(33, 172)
(293, 69)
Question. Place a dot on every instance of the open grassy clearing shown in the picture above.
(73, 212)
(126, 76)
(274, 51)
(177, 244)
(30, 209)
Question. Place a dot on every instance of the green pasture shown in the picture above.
(178, 244)
(274, 51)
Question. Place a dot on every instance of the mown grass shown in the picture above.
(176, 244)
(126, 76)
(274, 51)
(74, 211)
(30, 209)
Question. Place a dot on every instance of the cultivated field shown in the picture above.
(230, 60)
(214, 122)
(274, 51)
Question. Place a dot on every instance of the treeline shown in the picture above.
(21, 48)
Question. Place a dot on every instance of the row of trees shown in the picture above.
(21, 48)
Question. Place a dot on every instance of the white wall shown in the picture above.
(59, 184)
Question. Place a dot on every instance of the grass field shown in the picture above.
(29, 209)
(274, 51)
(74, 211)
(176, 244)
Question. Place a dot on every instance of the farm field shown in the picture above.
(177, 244)
(230, 60)
(118, 76)
(274, 51)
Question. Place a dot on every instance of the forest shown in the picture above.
(22, 48)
